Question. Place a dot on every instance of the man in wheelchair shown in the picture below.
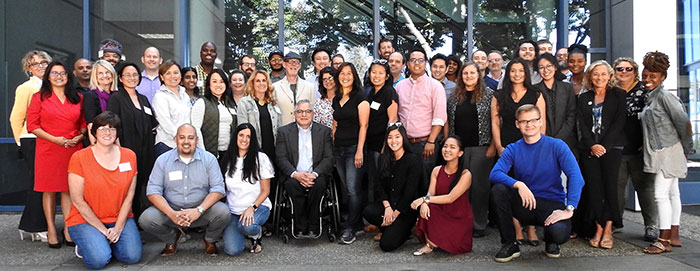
(305, 160)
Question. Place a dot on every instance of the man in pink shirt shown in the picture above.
(422, 108)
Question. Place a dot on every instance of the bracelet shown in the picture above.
(385, 207)
(430, 142)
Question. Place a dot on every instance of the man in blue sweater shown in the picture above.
(534, 194)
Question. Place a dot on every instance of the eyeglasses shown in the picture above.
(301, 112)
(396, 124)
(39, 64)
(417, 60)
(130, 75)
(623, 69)
(103, 74)
(379, 61)
(106, 129)
(548, 67)
(57, 74)
(528, 122)
(293, 62)
(276, 59)
(328, 80)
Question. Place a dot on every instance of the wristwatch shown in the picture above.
(254, 207)
(426, 199)
(570, 208)
(200, 209)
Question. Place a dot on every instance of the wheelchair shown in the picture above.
(329, 213)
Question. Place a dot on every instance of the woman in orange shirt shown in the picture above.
(100, 223)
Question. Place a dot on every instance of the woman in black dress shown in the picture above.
(136, 129)
(516, 91)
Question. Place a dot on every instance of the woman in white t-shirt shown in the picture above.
(247, 180)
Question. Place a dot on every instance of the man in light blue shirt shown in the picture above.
(150, 82)
(305, 155)
(185, 187)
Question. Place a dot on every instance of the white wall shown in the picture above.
(655, 30)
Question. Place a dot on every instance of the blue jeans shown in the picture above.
(96, 249)
(351, 177)
(235, 232)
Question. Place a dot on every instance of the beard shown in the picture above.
(564, 65)
(277, 69)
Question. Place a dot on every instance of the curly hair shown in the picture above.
(656, 62)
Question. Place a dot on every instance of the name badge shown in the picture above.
(375, 105)
(148, 111)
(175, 175)
(124, 167)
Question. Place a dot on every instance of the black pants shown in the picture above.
(306, 203)
(508, 205)
(394, 235)
(601, 193)
(33, 219)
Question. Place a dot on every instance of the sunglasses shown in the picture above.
(622, 69)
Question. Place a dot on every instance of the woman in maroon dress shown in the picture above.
(55, 116)
(446, 218)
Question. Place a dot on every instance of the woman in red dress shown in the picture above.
(446, 219)
(55, 117)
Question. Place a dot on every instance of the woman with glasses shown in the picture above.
(399, 173)
(55, 116)
(350, 118)
(34, 63)
(601, 119)
(102, 223)
(627, 76)
(323, 107)
(667, 143)
(516, 91)
(214, 116)
(469, 117)
(383, 104)
(171, 106)
(189, 82)
(560, 100)
(446, 217)
(136, 129)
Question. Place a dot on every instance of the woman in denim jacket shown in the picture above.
(667, 142)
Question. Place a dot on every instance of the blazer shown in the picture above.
(247, 112)
(613, 122)
(286, 100)
(561, 111)
(287, 149)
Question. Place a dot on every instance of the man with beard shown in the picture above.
(81, 70)
(150, 81)
(563, 60)
(207, 54)
(110, 51)
(495, 74)
(185, 187)
(248, 64)
(275, 60)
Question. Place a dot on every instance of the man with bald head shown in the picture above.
(150, 82)
(185, 187)
(207, 55)
(81, 70)
(397, 63)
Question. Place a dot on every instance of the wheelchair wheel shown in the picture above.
(285, 238)
(331, 237)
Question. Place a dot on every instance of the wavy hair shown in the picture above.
(250, 89)
(93, 75)
(589, 72)
(460, 92)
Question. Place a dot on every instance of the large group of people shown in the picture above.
(433, 146)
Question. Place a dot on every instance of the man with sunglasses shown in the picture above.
(534, 194)
(422, 110)
(291, 88)
(305, 161)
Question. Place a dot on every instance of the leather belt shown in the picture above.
(417, 139)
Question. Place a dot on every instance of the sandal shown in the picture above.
(377, 237)
(658, 247)
(594, 242)
(606, 243)
(422, 251)
(256, 246)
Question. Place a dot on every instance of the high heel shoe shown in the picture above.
(41, 236)
(56, 245)
(68, 243)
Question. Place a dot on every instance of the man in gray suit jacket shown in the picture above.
(291, 88)
(305, 159)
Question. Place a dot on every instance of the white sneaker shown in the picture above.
(77, 254)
